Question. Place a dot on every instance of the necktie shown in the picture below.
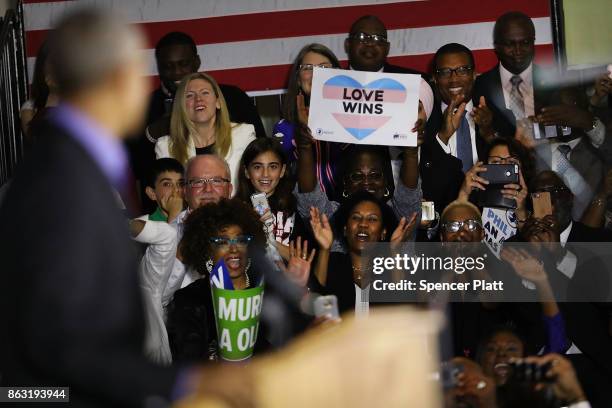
(464, 144)
(563, 163)
(517, 105)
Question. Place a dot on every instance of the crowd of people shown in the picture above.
(202, 155)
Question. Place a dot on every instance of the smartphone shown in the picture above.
(326, 306)
(547, 132)
(542, 205)
(428, 211)
(501, 173)
(260, 203)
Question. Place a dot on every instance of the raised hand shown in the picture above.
(452, 118)
(483, 117)
(517, 192)
(565, 115)
(403, 230)
(473, 181)
(321, 229)
(298, 268)
(524, 264)
(603, 87)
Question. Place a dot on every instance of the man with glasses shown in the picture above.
(367, 47)
(587, 323)
(458, 127)
(207, 180)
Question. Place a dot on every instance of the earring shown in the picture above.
(344, 194)
(387, 192)
(248, 265)
(209, 265)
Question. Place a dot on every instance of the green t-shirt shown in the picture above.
(158, 215)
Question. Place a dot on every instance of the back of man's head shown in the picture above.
(87, 47)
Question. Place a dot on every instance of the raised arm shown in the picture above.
(307, 178)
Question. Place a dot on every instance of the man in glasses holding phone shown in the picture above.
(587, 323)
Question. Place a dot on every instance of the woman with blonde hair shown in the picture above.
(200, 124)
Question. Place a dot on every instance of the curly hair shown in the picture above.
(342, 214)
(208, 221)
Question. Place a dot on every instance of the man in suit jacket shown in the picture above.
(579, 273)
(71, 310)
(458, 128)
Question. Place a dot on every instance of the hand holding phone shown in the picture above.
(542, 205)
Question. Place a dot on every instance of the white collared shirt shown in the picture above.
(526, 87)
(362, 301)
(451, 147)
(567, 265)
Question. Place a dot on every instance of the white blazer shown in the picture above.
(242, 135)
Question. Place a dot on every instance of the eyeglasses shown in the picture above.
(364, 38)
(359, 177)
(503, 160)
(241, 241)
(201, 182)
(460, 71)
(309, 67)
(455, 226)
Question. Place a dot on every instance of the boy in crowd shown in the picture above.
(165, 187)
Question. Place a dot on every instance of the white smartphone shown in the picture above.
(260, 203)
(428, 211)
(326, 306)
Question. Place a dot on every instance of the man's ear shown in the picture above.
(197, 63)
(150, 193)
(346, 46)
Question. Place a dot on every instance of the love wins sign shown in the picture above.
(364, 107)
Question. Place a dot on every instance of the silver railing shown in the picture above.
(13, 90)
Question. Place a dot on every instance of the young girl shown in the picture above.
(263, 169)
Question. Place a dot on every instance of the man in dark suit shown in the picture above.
(581, 280)
(177, 56)
(70, 306)
(458, 128)
(367, 48)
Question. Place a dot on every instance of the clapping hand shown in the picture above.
(452, 118)
(321, 229)
(483, 118)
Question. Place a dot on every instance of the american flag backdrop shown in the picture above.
(251, 43)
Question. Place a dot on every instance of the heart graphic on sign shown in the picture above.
(362, 104)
